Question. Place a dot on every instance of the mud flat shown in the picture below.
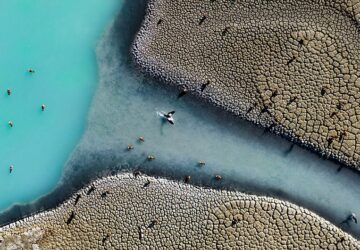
(127, 213)
(291, 66)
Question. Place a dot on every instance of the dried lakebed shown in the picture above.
(143, 212)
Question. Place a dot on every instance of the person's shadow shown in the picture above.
(289, 150)
(162, 125)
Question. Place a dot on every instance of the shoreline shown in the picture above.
(157, 69)
(169, 201)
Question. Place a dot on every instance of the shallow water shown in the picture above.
(125, 107)
(57, 39)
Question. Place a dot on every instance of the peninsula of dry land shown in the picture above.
(128, 212)
(291, 65)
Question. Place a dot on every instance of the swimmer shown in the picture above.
(130, 147)
(11, 168)
(352, 217)
(218, 177)
(141, 139)
(9, 91)
(42, 107)
(201, 163)
(151, 157)
(11, 124)
(183, 92)
(31, 70)
(169, 117)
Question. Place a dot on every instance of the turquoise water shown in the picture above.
(125, 106)
(57, 39)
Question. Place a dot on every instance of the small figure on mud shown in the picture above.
(151, 157)
(159, 22)
(291, 60)
(292, 100)
(91, 189)
(31, 70)
(104, 194)
(42, 107)
(71, 217)
(274, 94)
(265, 109)
(330, 140)
(11, 124)
(152, 223)
(187, 179)
(269, 128)
(78, 196)
(11, 168)
(9, 91)
(169, 117)
(323, 91)
(202, 20)
(205, 85)
(234, 222)
(136, 173)
(183, 92)
(218, 177)
(342, 136)
(147, 183)
(225, 31)
(130, 147)
(141, 235)
(107, 236)
(141, 139)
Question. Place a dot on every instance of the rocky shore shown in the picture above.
(290, 66)
(128, 212)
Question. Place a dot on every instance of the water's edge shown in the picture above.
(85, 166)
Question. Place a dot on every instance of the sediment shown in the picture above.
(291, 66)
(128, 212)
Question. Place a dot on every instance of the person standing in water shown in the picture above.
(42, 107)
(169, 117)
(11, 124)
(9, 91)
(11, 168)
(31, 70)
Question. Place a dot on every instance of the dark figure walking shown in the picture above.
(205, 85)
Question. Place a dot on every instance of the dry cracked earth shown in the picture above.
(128, 212)
(291, 65)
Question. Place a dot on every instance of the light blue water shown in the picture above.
(57, 38)
(125, 107)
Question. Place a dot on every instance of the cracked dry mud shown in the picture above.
(121, 212)
(291, 65)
